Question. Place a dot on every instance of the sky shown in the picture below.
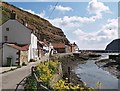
(92, 25)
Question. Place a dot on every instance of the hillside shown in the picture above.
(114, 45)
(42, 28)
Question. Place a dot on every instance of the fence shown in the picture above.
(40, 86)
(20, 83)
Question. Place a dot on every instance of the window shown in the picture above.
(6, 38)
(7, 29)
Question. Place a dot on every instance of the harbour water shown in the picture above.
(90, 73)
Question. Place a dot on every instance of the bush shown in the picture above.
(31, 84)
(44, 72)
(24, 64)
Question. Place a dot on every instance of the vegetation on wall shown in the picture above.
(45, 72)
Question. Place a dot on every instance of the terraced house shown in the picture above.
(18, 44)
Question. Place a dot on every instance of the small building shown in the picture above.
(40, 45)
(14, 54)
(59, 47)
(71, 47)
(51, 49)
(74, 47)
(15, 32)
(46, 47)
(68, 48)
(14, 37)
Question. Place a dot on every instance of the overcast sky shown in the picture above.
(92, 25)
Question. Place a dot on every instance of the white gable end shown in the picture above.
(16, 32)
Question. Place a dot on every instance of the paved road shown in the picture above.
(12, 78)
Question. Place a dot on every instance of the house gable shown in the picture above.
(16, 32)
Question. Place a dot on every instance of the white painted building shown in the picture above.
(9, 52)
(51, 49)
(33, 53)
(14, 54)
(15, 32)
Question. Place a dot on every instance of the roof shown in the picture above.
(58, 45)
(40, 42)
(18, 47)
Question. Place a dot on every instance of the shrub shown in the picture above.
(31, 84)
(24, 64)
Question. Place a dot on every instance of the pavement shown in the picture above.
(12, 78)
(5, 69)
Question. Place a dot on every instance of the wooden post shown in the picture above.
(68, 74)
(32, 71)
(39, 88)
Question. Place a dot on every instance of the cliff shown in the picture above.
(41, 27)
(114, 45)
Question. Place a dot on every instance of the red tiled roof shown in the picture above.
(58, 45)
(21, 48)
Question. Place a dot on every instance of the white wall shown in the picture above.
(0, 34)
(29, 54)
(33, 47)
(33, 41)
(17, 32)
(0, 57)
(9, 52)
(51, 49)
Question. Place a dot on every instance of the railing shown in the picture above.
(40, 85)
(21, 82)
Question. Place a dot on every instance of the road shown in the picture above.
(12, 78)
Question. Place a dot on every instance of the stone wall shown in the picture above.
(56, 77)
(23, 57)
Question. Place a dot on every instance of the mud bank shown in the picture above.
(109, 65)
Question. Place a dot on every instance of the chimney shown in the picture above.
(13, 15)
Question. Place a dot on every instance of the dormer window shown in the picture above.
(7, 29)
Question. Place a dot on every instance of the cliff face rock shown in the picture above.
(114, 45)
(41, 27)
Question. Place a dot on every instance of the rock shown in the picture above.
(114, 45)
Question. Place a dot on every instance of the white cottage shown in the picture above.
(14, 54)
(15, 32)
(15, 37)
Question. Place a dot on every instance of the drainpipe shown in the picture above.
(19, 58)
(2, 55)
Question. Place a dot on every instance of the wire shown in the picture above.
(53, 10)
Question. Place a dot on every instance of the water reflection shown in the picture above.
(89, 72)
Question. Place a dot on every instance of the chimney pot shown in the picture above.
(13, 15)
